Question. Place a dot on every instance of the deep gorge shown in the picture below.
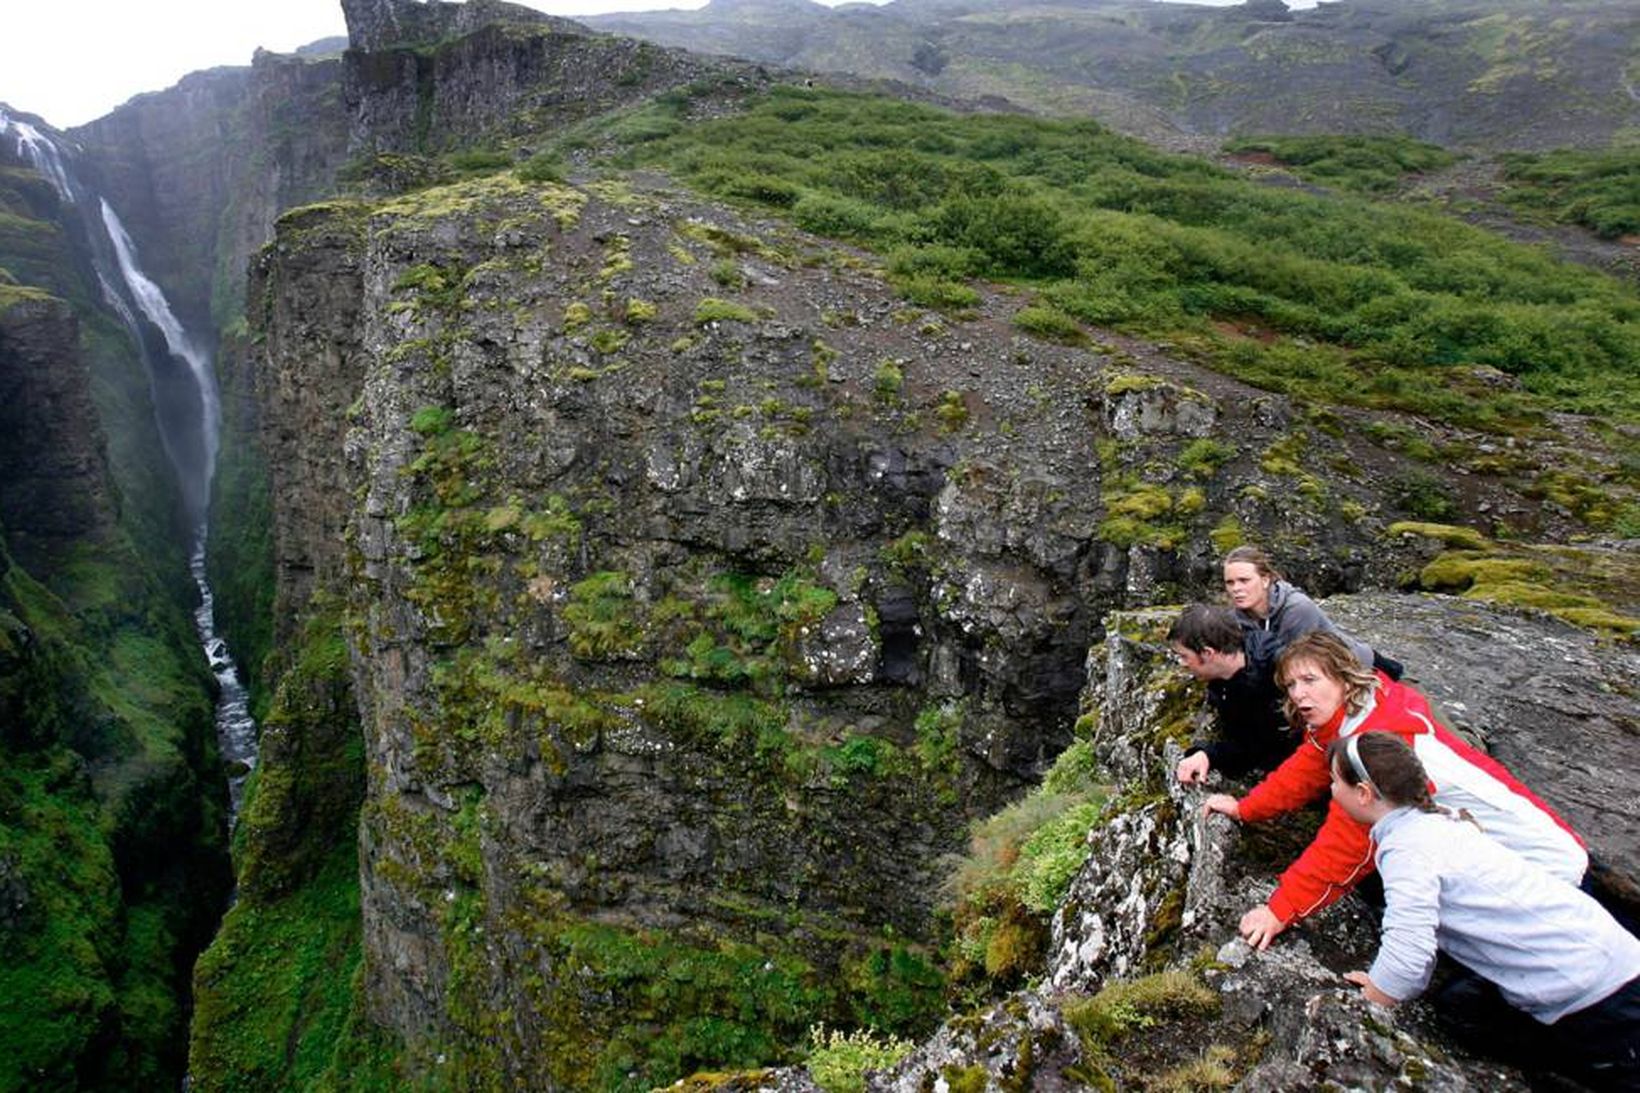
(639, 596)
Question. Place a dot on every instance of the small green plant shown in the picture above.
(727, 272)
(952, 411)
(838, 1061)
(1051, 325)
(603, 618)
(714, 310)
(1126, 1005)
(887, 381)
(1202, 458)
(1421, 494)
(909, 551)
(543, 167)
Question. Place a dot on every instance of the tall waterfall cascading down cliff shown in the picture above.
(194, 453)
(186, 408)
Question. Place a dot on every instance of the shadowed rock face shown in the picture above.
(55, 490)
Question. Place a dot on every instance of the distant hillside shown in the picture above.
(1517, 74)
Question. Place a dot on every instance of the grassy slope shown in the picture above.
(1371, 303)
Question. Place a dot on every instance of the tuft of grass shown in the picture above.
(1126, 1005)
(714, 310)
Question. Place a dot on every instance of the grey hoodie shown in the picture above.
(1292, 615)
(1550, 948)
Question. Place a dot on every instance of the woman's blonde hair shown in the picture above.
(1254, 557)
(1333, 656)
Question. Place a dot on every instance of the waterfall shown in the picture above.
(189, 429)
(151, 301)
(37, 148)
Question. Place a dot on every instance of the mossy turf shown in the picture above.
(108, 825)
(1597, 589)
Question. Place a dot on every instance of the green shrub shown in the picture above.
(1050, 323)
(838, 1061)
(839, 217)
(887, 381)
(543, 167)
(478, 161)
(1369, 164)
(1598, 189)
(1422, 494)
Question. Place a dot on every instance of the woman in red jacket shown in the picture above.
(1332, 696)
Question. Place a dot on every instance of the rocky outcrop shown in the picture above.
(1162, 885)
(374, 25)
(475, 81)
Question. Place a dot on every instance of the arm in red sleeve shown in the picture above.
(1301, 778)
(1340, 856)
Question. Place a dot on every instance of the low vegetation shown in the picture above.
(1335, 298)
(1598, 190)
(1364, 164)
(1019, 864)
(838, 1060)
(1575, 583)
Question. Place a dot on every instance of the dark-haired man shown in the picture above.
(1251, 728)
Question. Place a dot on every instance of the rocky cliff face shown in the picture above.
(199, 171)
(56, 491)
(425, 78)
(695, 583)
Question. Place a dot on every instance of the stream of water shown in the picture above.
(131, 293)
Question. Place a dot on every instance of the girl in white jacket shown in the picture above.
(1550, 949)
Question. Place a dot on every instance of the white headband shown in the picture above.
(1353, 753)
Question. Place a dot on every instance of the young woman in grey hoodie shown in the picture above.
(1272, 612)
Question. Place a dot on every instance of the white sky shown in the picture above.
(71, 61)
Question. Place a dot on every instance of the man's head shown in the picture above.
(1206, 642)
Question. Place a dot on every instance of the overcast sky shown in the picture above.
(70, 61)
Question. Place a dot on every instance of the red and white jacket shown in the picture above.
(1463, 778)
